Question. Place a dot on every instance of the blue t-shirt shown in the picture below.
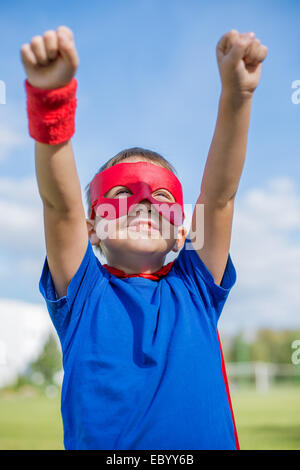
(141, 358)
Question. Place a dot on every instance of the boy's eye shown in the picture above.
(122, 191)
(165, 195)
(125, 192)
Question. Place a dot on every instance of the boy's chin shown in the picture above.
(144, 244)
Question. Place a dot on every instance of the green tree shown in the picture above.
(49, 361)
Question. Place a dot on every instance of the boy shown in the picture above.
(143, 367)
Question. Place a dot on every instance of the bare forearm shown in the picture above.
(58, 182)
(227, 152)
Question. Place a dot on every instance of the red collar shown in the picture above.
(156, 276)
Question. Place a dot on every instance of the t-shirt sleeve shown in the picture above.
(65, 312)
(200, 281)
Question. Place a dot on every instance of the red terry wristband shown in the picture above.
(51, 112)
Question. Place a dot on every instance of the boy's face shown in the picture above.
(142, 232)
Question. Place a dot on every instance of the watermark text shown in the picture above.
(2, 92)
(296, 94)
(296, 354)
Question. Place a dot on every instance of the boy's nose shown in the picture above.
(143, 206)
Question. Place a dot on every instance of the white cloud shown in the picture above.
(24, 330)
(20, 226)
(22, 238)
(265, 249)
(14, 129)
(21, 216)
(23, 190)
(10, 139)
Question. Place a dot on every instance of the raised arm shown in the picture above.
(50, 62)
(239, 59)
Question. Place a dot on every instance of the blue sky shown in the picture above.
(148, 77)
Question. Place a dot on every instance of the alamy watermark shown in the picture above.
(296, 354)
(296, 94)
(112, 226)
(2, 92)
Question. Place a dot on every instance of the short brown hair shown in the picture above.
(133, 151)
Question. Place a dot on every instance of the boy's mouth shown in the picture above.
(144, 224)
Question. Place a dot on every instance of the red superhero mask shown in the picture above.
(142, 179)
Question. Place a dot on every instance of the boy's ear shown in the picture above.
(91, 231)
(181, 236)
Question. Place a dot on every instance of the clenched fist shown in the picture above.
(240, 57)
(50, 60)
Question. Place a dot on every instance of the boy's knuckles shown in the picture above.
(49, 34)
(24, 48)
(232, 34)
(242, 43)
(52, 52)
(36, 41)
(65, 43)
(65, 30)
(51, 45)
(25, 54)
(260, 53)
(256, 53)
(264, 51)
(255, 45)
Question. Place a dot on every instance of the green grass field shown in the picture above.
(269, 421)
